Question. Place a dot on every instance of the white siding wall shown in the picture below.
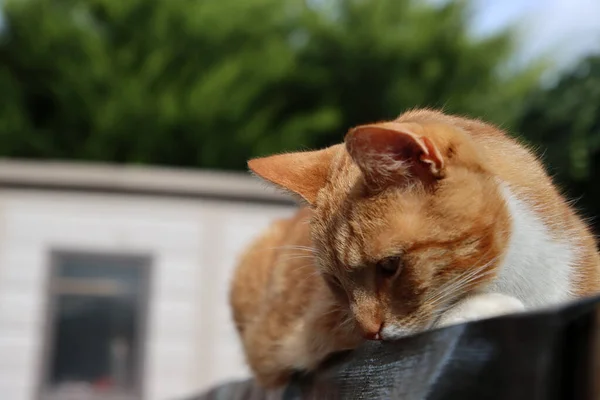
(191, 343)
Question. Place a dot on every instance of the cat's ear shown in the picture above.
(302, 173)
(392, 153)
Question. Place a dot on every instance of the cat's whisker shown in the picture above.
(291, 257)
(327, 313)
(305, 266)
(450, 285)
(456, 285)
(335, 309)
(476, 274)
(286, 251)
(471, 271)
(295, 247)
(347, 321)
(450, 296)
(457, 290)
(309, 276)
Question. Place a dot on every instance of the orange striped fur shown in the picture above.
(420, 222)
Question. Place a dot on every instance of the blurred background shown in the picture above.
(125, 126)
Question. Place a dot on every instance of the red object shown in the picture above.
(103, 383)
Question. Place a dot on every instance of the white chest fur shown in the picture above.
(537, 268)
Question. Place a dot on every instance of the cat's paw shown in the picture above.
(480, 306)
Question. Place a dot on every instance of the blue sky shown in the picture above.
(563, 30)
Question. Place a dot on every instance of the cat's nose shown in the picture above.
(373, 333)
(372, 336)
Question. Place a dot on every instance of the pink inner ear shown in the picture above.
(433, 156)
(389, 152)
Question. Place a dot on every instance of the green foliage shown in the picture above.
(564, 122)
(213, 83)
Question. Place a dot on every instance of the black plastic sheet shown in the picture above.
(551, 354)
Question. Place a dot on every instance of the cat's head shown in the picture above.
(407, 218)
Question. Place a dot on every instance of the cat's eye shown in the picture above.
(389, 266)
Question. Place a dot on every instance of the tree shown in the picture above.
(564, 122)
(213, 83)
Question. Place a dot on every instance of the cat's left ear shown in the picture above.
(392, 153)
(302, 173)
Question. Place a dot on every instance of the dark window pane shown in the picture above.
(96, 328)
(93, 342)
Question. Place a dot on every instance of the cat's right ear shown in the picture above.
(302, 173)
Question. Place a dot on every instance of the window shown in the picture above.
(94, 346)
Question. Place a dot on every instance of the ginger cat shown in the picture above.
(424, 221)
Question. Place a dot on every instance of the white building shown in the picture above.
(114, 280)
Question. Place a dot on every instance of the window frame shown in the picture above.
(144, 262)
